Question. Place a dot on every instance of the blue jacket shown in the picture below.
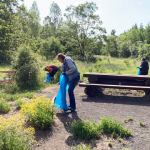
(65, 68)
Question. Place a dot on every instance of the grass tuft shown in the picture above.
(4, 106)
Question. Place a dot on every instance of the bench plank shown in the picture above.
(117, 76)
(115, 86)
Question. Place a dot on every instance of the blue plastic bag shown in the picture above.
(60, 101)
(138, 71)
(48, 78)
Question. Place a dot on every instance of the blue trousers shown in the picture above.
(72, 85)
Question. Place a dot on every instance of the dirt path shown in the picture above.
(119, 107)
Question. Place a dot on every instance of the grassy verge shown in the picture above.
(86, 130)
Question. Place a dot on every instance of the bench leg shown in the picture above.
(147, 94)
(93, 91)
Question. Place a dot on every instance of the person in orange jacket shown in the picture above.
(52, 69)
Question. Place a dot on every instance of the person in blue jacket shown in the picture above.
(70, 69)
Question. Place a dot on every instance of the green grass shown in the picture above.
(19, 103)
(4, 106)
(86, 130)
(114, 128)
(13, 97)
(82, 147)
(128, 119)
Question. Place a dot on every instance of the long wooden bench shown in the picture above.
(103, 80)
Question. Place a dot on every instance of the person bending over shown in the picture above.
(52, 69)
(70, 69)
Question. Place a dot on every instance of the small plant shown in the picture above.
(85, 129)
(82, 147)
(110, 144)
(40, 112)
(128, 119)
(142, 124)
(11, 88)
(19, 103)
(4, 106)
(125, 149)
(112, 127)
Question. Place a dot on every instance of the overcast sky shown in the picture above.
(120, 15)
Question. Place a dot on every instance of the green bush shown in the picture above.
(40, 112)
(112, 127)
(4, 106)
(14, 135)
(12, 88)
(27, 70)
(19, 103)
(85, 129)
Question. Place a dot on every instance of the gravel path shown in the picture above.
(118, 106)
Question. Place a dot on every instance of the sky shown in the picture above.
(120, 15)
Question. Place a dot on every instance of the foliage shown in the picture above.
(27, 70)
(85, 129)
(128, 119)
(14, 135)
(82, 147)
(12, 97)
(83, 25)
(51, 47)
(19, 103)
(113, 128)
(4, 106)
(12, 88)
(40, 112)
(142, 124)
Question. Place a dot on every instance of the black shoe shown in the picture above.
(72, 109)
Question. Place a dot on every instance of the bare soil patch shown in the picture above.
(114, 103)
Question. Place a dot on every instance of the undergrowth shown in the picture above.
(86, 130)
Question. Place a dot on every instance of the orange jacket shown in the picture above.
(49, 69)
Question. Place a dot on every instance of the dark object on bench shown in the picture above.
(103, 80)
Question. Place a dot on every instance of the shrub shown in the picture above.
(13, 135)
(112, 127)
(85, 129)
(27, 70)
(11, 88)
(4, 106)
(40, 112)
(19, 103)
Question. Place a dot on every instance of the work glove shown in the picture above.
(138, 67)
(64, 73)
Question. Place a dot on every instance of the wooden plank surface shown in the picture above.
(117, 76)
(115, 86)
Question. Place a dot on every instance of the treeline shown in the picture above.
(77, 33)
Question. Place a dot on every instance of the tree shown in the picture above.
(51, 47)
(147, 34)
(35, 20)
(85, 27)
(55, 15)
(113, 32)
(7, 8)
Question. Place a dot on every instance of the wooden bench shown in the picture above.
(118, 81)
